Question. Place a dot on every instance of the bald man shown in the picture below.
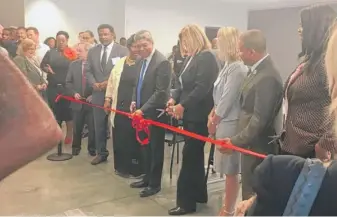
(261, 99)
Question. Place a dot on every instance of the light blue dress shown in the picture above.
(226, 95)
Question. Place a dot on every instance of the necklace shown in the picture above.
(129, 61)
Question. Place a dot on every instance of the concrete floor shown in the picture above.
(75, 187)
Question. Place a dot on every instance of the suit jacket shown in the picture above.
(94, 71)
(74, 83)
(226, 93)
(155, 89)
(261, 100)
(195, 87)
(308, 122)
(32, 73)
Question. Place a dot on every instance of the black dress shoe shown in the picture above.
(76, 152)
(148, 191)
(139, 184)
(98, 159)
(180, 211)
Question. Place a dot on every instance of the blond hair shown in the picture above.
(331, 70)
(193, 39)
(228, 44)
(24, 46)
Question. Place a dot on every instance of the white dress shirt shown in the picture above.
(148, 60)
(258, 63)
(108, 51)
(41, 50)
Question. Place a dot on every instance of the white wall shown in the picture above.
(166, 18)
(74, 16)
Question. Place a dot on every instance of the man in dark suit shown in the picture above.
(261, 99)
(101, 60)
(151, 94)
(77, 86)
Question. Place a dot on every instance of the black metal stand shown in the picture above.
(59, 156)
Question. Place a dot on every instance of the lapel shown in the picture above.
(79, 65)
(113, 53)
(253, 74)
(151, 67)
(31, 68)
(98, 54)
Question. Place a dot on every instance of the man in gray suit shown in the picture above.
(261, 100)
(101, 60)
(77, 86)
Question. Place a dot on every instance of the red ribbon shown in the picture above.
(141, 124)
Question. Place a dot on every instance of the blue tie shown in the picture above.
(140, 83)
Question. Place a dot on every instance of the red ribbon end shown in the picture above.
(58, 98)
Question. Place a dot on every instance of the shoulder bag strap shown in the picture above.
(306, 188)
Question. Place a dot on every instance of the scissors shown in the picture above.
(162, 112)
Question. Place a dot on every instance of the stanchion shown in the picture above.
(59, 156)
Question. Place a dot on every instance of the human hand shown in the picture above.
(77, 96)
(138, 112)
(322, 154)
(89, 99)
(103, 85)
(170, 102)
(178, 111)
(49, 69)
(107, 106)
(242, 208)
(44, 86)
(38, 87)
(225, 150)
(96, 86)
(211, 127)
(133, 107)
(169, 106)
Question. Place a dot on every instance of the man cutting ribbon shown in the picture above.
(151, 93)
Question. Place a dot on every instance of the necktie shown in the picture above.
(84, 80)
(104, 56)
(140, 83)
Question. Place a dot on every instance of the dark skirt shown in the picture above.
(127, 155)
(61, 109)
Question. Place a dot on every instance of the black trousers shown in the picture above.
(126, 149)
(153, 155)
(85, 115)
(192, 187)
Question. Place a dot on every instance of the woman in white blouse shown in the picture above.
(224, 117)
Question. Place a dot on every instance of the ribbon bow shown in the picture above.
(141, 125)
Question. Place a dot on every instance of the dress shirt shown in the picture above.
(41, 51)
(148, 60)
(258, 63)
(181, 74)
(108, 51)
